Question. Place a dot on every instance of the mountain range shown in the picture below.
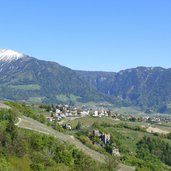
(28, 79)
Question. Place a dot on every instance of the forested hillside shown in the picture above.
(146, 87)
(39, 81)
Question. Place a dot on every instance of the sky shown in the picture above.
(92, 35)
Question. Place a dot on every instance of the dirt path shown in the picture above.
(156, 130)
(19, 120)
(3, 106)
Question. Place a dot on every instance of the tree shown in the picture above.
(20, 164)
(4, 165)
(133, 119)
(111, 164)
(78, 126)
(109, 113)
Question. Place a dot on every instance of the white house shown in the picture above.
(57, 111)
(84, 113)
(96, 113)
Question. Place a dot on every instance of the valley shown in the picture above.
(28, 79)
(85, 85)
(101, 138)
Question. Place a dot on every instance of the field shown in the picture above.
(128, 110)
(25, 87)
(88, 121)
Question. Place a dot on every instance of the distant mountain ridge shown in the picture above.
(27, 78)
(146, 87)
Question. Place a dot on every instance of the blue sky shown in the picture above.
(105, 35)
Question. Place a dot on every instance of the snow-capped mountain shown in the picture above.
(7, 55)
(23, 78)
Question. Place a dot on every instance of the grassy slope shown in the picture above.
(126, 138)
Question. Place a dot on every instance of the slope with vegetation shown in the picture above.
(31, 79)
(146, 87)
(27, 150)
(146, 151)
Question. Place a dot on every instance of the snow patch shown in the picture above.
(7, 55)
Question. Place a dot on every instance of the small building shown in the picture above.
(101, 114)
(57, 111)
(115, 151)
(96, 133)
(96, 113)
(105, 138)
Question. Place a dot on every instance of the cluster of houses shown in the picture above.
(160, 118)
(100, 113)
(152, 119)
(62, 111)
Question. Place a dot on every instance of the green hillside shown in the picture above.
(146, 151)
(25, 150)
(34, 79)
(145, 87)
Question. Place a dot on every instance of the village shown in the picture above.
(63, 111)
(60, 112)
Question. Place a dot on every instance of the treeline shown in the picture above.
(154, 148)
